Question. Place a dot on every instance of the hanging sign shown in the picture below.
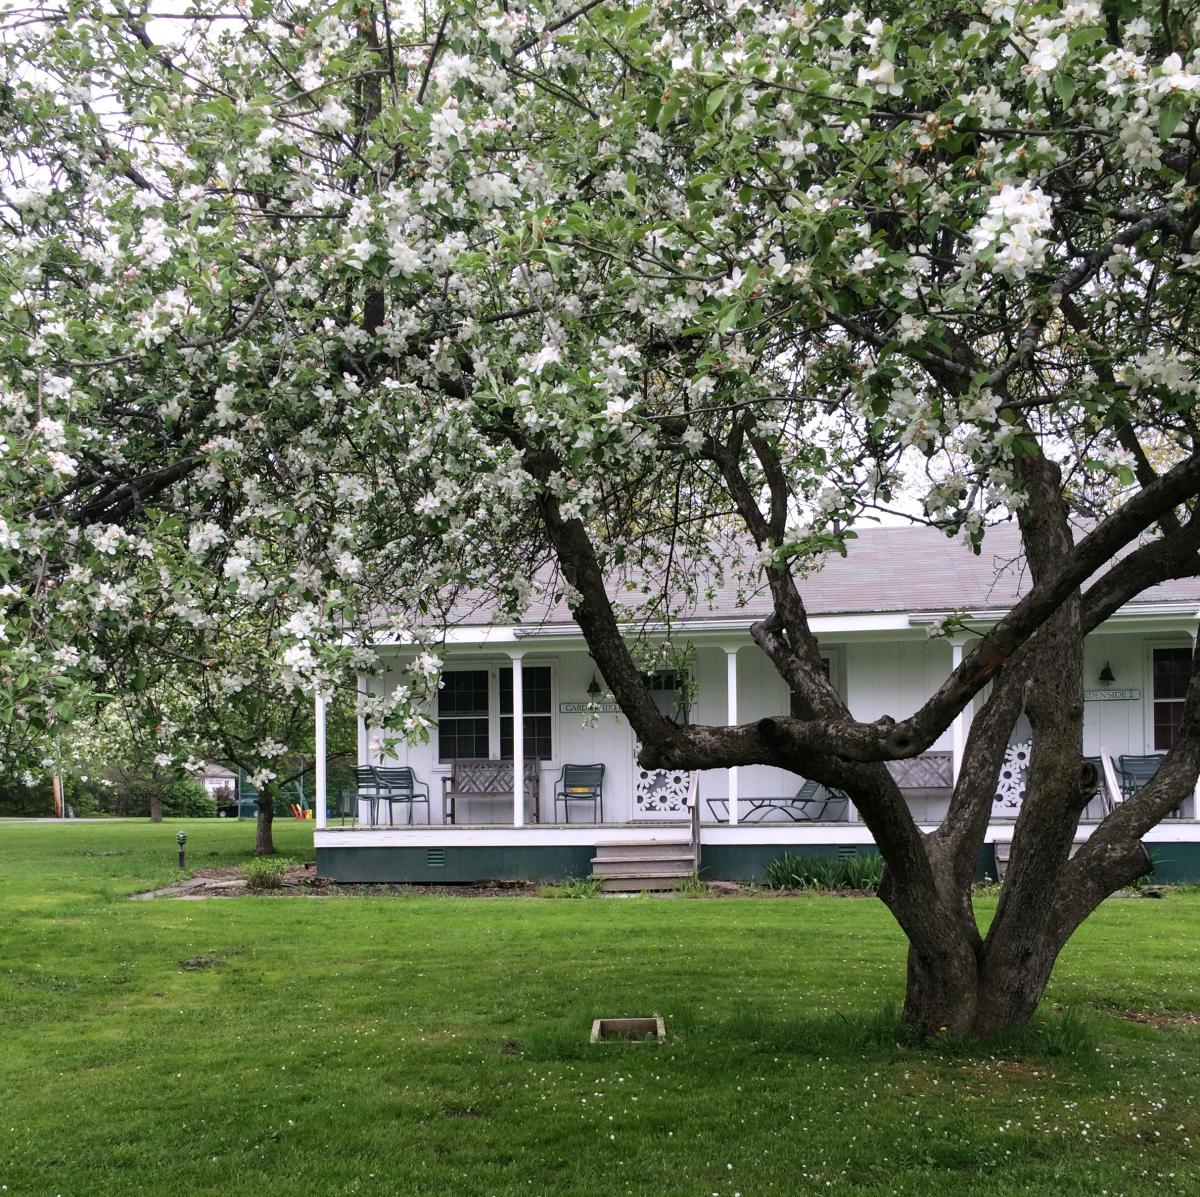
(589, 708)
(1112, 696)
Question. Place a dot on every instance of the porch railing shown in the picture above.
(693, 802)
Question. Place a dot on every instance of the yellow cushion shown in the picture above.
(579, 789)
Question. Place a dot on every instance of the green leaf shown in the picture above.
(667, 113)
(1088, 36)
(715, 100)
(1169, 116)
(729, 317)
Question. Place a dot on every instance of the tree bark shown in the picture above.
(940, 995)
(264, 843)
(975, 1001)
(155, 805)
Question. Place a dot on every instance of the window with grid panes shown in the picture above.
(463, 715)
(535, 695)
(1171, 670)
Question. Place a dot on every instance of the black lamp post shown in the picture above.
(181, 840)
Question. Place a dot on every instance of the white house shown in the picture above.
(872, 613)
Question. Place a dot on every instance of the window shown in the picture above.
(463, 715)
(1172, 667)
(669, 690)
(535, 697)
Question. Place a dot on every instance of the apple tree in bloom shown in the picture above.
(323, 314)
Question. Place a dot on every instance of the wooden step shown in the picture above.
(641, 868)
(613, 852)
(635, 885)
(1003, 850)
(684, 858)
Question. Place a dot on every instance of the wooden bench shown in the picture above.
(488, 781)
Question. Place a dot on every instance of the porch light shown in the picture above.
(593, 688)
(1106, 674)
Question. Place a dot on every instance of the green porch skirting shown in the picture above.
(1174, 863)
(456, 866)
(748, 862)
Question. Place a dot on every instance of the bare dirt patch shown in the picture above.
(1161, 1019)
(301, 881)
(230, 883)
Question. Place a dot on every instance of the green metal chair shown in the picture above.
(398, 783)
(1136, 771)
(580, 783)
(367, 789)
(345, 806)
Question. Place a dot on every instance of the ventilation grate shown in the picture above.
(435, 858)
(846, 852)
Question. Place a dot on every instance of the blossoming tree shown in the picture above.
(313, 308)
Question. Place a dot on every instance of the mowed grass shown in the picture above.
(439, 1045)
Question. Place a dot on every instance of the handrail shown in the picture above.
(693, 801)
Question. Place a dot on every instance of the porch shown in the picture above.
(542, 680)
(435, 855)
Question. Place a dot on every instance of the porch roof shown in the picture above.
(913, 571)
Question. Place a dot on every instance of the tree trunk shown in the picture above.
(155, 805)
(264, 843)
(940, 995)
(994, 996)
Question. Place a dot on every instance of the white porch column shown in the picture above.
(363, 690)
(961, 722)
(518, 714)
(319, 749)
(731, 718)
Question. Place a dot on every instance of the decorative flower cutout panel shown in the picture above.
(1010, 789)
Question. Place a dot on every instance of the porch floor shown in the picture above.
(643, 825)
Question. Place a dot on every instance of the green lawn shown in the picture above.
(429, 1046)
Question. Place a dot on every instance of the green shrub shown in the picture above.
(266, 872)
(860, 872)
(129, 796)
(185, 798)
(16, 798)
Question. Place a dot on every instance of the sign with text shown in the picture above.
(1112, 695)
(589, 708)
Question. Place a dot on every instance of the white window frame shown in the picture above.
(493, 671)
(1175, 640)
(535, 663)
